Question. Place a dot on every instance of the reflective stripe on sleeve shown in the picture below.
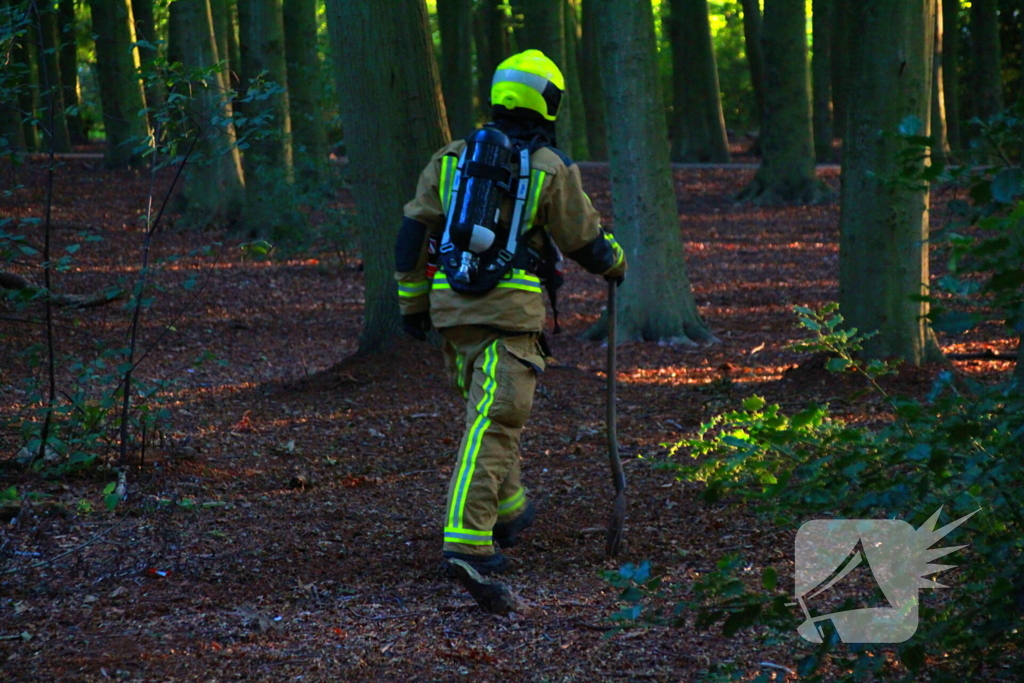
(448, 164)
(408, 290)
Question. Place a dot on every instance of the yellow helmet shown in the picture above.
(528, 80)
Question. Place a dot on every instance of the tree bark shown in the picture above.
(755, 52)
(656, 301)
(573, 83)
(234, 50)
(394, 92)
(68, 25)
(938, 124)
(14, 81)
(24, 52)
(951, 72)
(492, 47)
(823, 20)
(590, 81)
(120, 88)
(840, 64)
(145, 30)
(223, 27)
(987, 80)
(267, 161)
(698, 122)
(454, 19)
(51, 88)
(544, 30)
(883, 260)
(309, 134)
(787, 173)
(212, 195)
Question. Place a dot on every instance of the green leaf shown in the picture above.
(753, 403)
(111, 500)
(769, 579)
(911, 125)
(9, 494)
(740, 620)
(838, 364)
(109, 488)
(1007, 185)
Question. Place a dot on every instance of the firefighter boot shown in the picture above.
(506, 534)
(484, 564)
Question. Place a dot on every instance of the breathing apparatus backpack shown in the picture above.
(476, 251)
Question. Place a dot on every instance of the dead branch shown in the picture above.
(16, 282)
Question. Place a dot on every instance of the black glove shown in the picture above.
(618, 279)
(417, 324)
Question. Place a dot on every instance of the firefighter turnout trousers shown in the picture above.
(496, 373)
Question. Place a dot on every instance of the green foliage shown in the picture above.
(962, 448)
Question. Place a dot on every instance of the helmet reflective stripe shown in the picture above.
(538, 83)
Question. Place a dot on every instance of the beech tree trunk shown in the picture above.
(939, 128)
(212, 196)
(951, 72)
(13, 81)
(822, 76)
(883, 257)
(26, 83)
(755, 51)
(573, 83)
(120, 88)
(698, 122)
(51, 88)
(68, 26)
(987, 79)
(309, 134)
(840, 64)
(492, 48)
(267, 161)
(394, 119)
(544, 30)
(145, 30)
(590, 81)
(656, 301)
(787, 173)
(220, 11)
(454, 19)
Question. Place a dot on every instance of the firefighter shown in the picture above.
(491, 339)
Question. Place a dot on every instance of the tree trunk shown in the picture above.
(755, 52)
(822, 68)
(698, 122)
(69, 70)
(27, 85)
(146, 32)
(492, 48)
(656, 301)
(267, 161)
(840, 63)
(454, 19)
(987, 80)
(787, 173)
(941, 146)
(234, 50)
(573, 83)
(544, 30)
(309, 134)
(883, 260)
(212, 195)
(120, 88)
(12, 80)
(51, 88)
(223, 28)
(951, 72)
(396, 88)
(590, 81)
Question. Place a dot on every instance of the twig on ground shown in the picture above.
(53, 559)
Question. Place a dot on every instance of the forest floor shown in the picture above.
(287, 526)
